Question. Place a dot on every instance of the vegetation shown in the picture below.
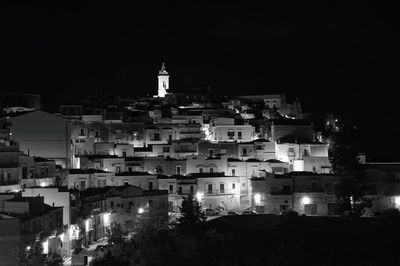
(32, 255)
(192, 218)
(352, 188)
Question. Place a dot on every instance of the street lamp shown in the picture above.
(199, 196)
(257, 198)
(140, 210)
(397, 201)
(306, 200)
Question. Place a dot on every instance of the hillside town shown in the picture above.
(68, 177)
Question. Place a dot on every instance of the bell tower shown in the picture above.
(163, 81)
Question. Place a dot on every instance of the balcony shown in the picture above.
(291, 154)
(9, 165)
(186, 151)
(219, 192)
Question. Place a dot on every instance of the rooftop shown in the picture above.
(133, 173)
(85, 171)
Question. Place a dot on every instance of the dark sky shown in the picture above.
(338, 57)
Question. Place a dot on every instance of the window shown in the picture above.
(233, 185)
(244, 152)
(191, 189)
(210, 188)
(200, 170)
(24, 172)
(150, 185)
(211, 170)
(239, 134)
(82, 185)
(180, 190)
(97, 134)
(124, 154)
(150, 203)
(156, 136)
(112, 204)
(314, 187)
(222, 188)
(231, 134)
(118, 169)
(314, 169)
(287, 189)
(211, 152)
(130, 169)
(126, 183)
(233, 172)
(223, 151)
(171, 188)
(165, 149)
(178, 169)
(169, 138)
(42, 172)
(82, 133)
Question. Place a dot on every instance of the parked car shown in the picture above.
(100, 247)
(220, 209)
(211, 212)
(233, 213)
(289, 213)
(249, 213)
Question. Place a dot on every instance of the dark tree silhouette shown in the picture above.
(343, 154)
(192, 218)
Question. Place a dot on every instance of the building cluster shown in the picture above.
(66, 177)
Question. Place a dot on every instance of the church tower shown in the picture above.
(163, 81)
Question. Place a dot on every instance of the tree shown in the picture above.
(192, 219)
(33, 255)
(352, 188)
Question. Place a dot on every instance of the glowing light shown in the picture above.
(45, 247)
(199, 196)
(140, 210)
(257, 198)
(74, 231)
(306, 200)
(106, 219)
(28, 248)
(43, 184)
(397, 200)
(61, 236)
(87, 225)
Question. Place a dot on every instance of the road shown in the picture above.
(88, 251)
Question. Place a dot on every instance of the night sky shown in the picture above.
(334, 57)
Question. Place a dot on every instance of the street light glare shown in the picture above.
(306, 200)
(199, 196)
(257, 198)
